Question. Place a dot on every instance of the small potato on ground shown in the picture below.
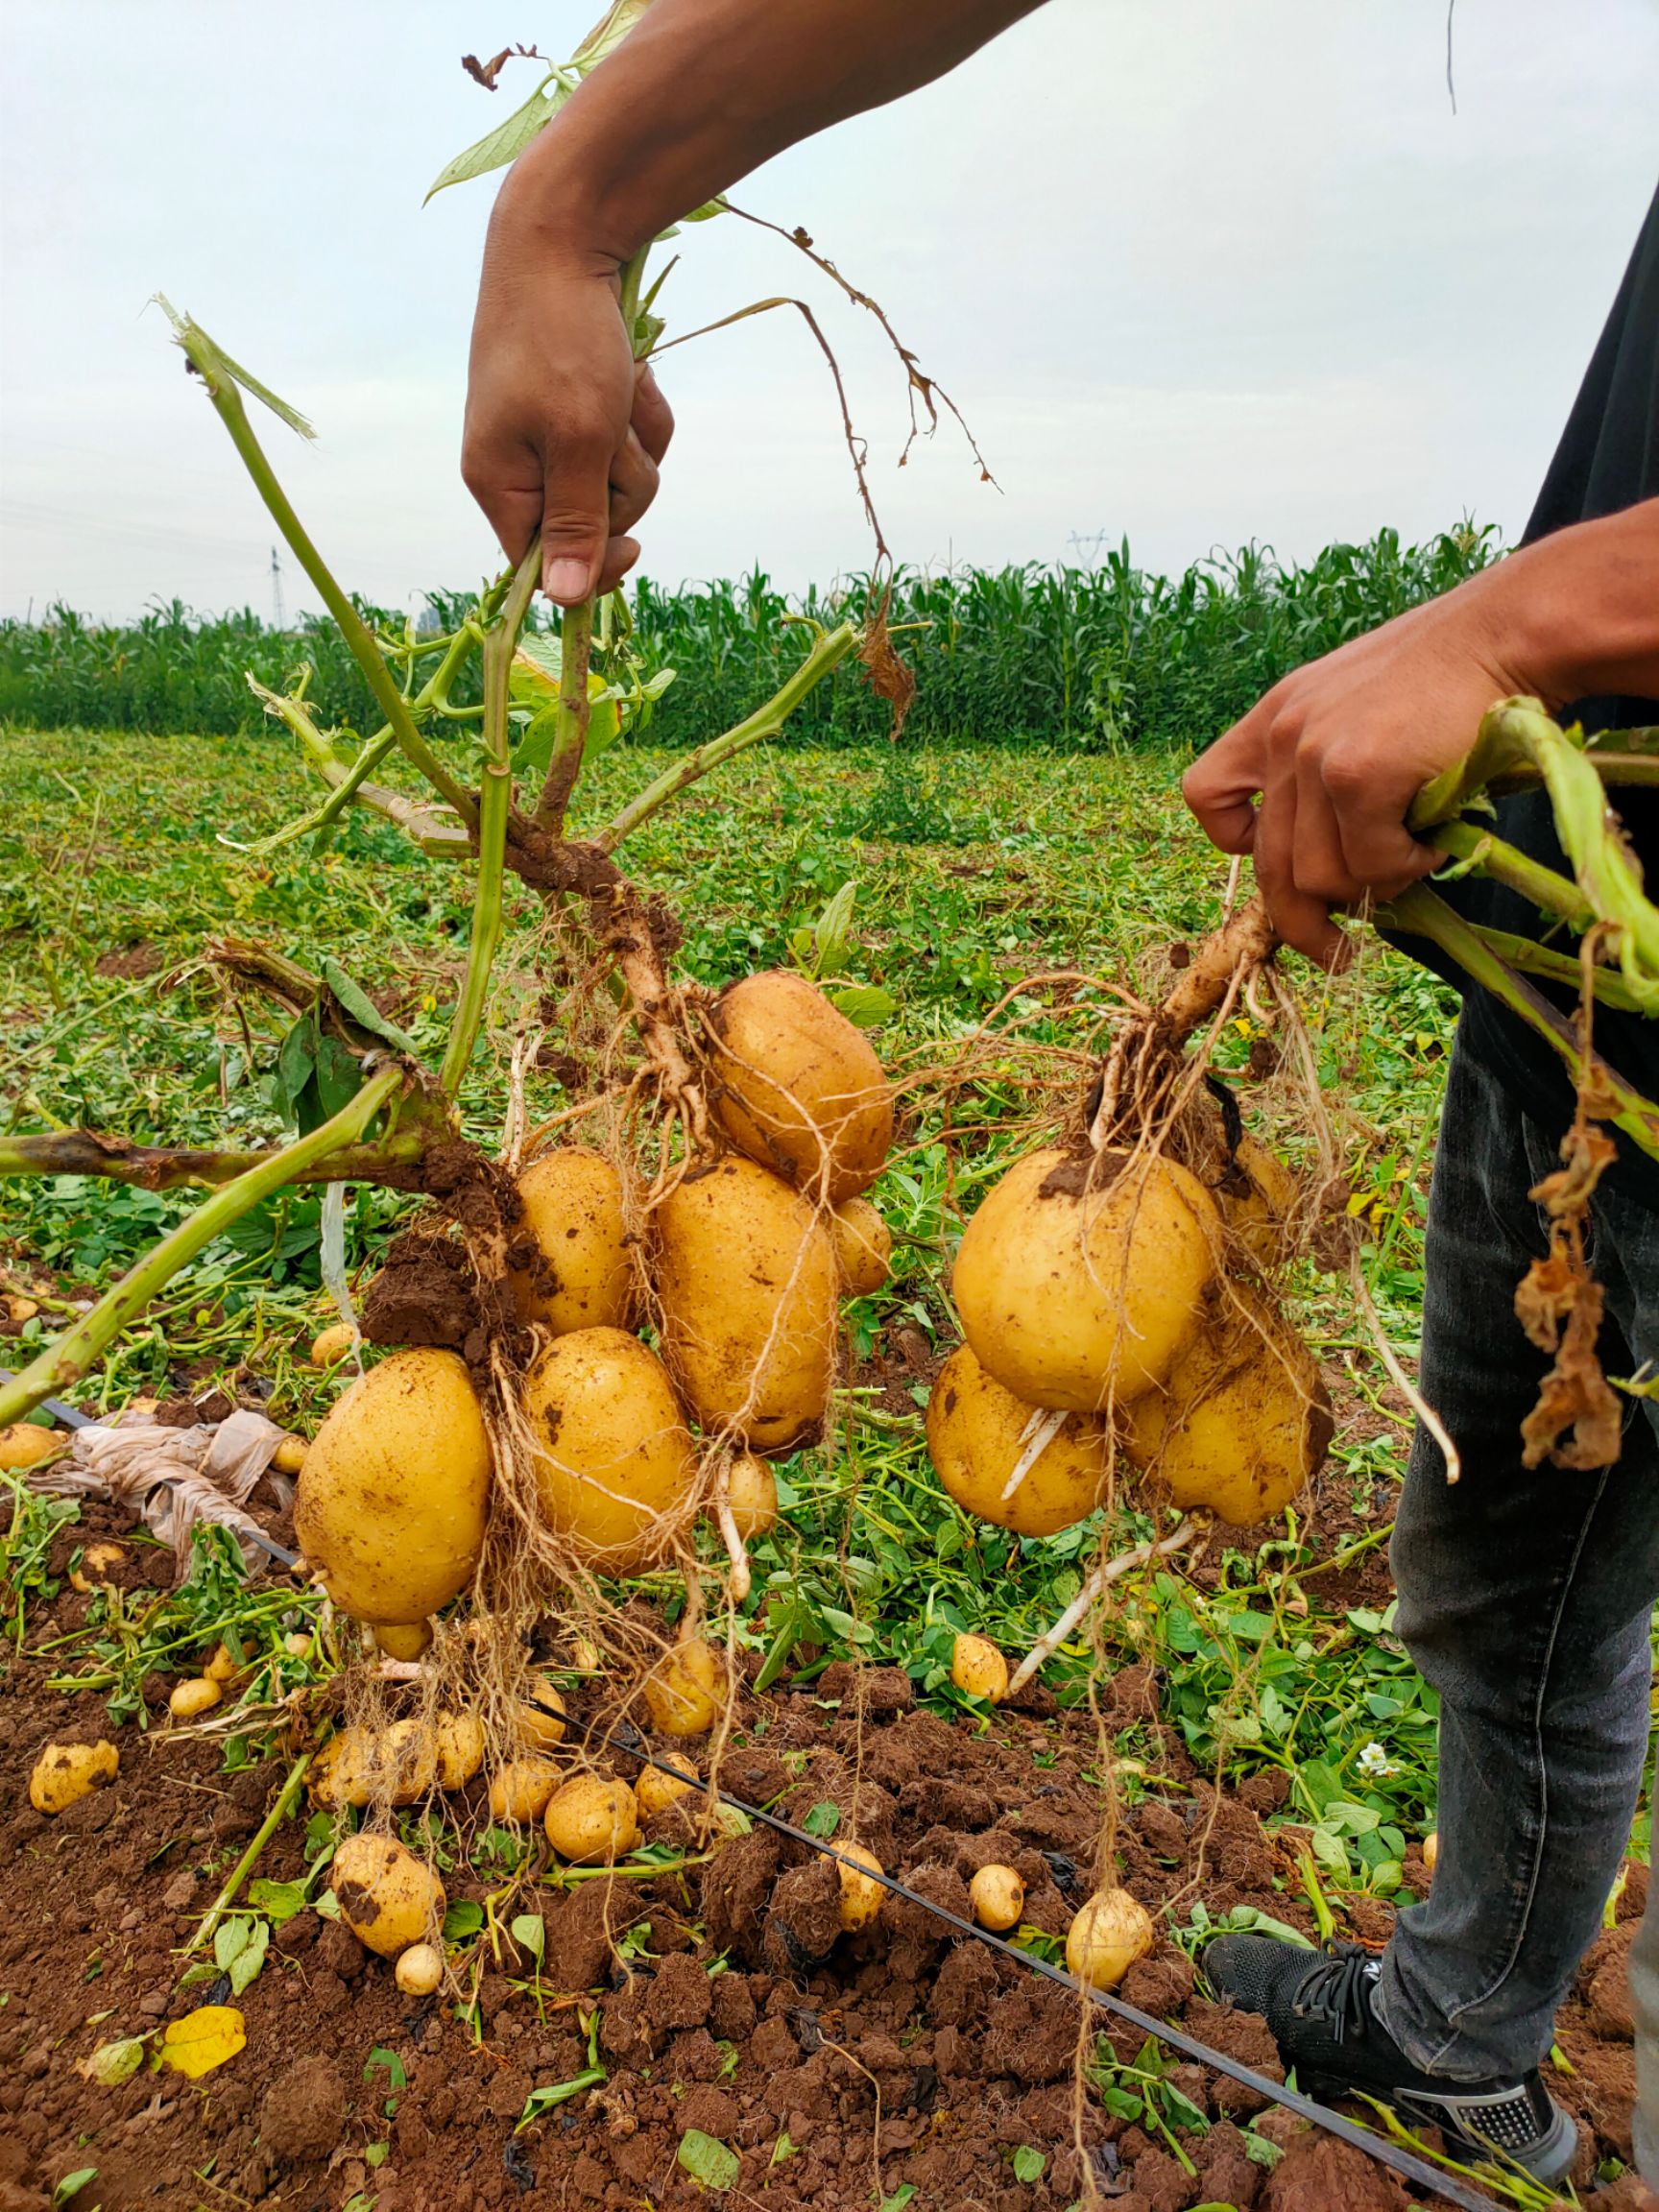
(198, 1695)
(654, 1791)
(997, 1897)
(24, 1445)
(685, 1691)
(541, 1729)
(420, 1969)
(979, 1668)
(519, 1792)
(1107, 1937)
(66, 1771)
(861, 1899)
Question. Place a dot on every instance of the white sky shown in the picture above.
(1199, 271)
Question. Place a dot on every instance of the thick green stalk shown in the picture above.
(1503, 863)
(227, 403)
(287, 1798)
(1535, 959)
(68, 1357)
(766, 721)
(570, 717)
(1422, 913)
(499, 647)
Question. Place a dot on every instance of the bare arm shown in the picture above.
(561, 431)
(1316, 779)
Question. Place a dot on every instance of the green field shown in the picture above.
(973, 869)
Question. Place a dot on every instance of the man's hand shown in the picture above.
(1316, 781)
(1335, 754)
(563, 431)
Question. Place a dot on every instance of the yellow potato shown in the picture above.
(459, 1741)
(997, 1897)
(863, 1247)
(66, 1771)
(686, 1691)
(1245, 1420)
(24, 1445)
(96, 1564)
(223, 1666)
(1430, 1851)
(979, 1668)
(860, 1897)
(592, 1822)
(979, 1435)
(614, 1467)
(190, 1698)
(18, 1307)
(519, 1792)
(586, 1656)
(752, 1488)
(543, 1729)
(800, 1089)
(387, 1897)
(1259, 1197)
(573, 1214)
(419, 1970)
(404, 1640)
(359, 1766)
(390, 1501)
(332, 1343)
(297, 1645)
(1079, 1281)
(1107, 1937)
(654, 1791)
(749, 1287)
(289, 1456)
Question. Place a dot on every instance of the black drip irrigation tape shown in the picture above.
(1410, 2168)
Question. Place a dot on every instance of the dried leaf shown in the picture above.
(113, 2063)
(204, 2039)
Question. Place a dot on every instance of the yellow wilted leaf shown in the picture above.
(204, 2039)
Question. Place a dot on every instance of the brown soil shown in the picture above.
(837, 2069)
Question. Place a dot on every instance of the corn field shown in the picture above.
(1088, 659)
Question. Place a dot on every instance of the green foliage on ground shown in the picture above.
(1088, 658)
(971, 870)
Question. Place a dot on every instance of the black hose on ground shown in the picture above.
(627, 1741)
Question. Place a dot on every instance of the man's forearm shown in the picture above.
(1582, 608)
(705, 91)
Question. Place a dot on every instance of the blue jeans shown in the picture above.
(1525, 1599)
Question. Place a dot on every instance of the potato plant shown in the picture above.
(611, 1325)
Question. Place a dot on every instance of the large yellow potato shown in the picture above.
(66, 1771)
(613, 1461)
(592, 1821)
(519, 1790)
(1079, 1279)
(459, 1745)
(1107, 1937)
(387, 1897)
(391, 1500)
(749, 1287)
(357, 1766)
(863, 1247)
(1243, 1421)
(979, 1433)
(573, 1211)
(800, 1089)
(1257, 1196)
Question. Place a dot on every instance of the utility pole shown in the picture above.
(277, 620)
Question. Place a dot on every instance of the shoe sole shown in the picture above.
(1547, 2161)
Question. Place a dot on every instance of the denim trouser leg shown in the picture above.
(1524, 1597)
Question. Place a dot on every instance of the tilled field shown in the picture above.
(720, 2002)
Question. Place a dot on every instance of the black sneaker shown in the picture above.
(1318, 2006)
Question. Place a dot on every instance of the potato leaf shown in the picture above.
(507, 141)
(278, 1900)
(864, 1004)
(1029, 2164)
(529, 1930)
(463, 1918)
(113, 2063)
(204, 2039)
(707, 2159)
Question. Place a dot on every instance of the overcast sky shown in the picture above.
(1199, 271)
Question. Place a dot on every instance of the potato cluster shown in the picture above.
(1113, 1304)
(739, 1275)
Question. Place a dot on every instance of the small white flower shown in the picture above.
(1375, 1762)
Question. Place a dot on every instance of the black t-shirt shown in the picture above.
(1608, 459)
